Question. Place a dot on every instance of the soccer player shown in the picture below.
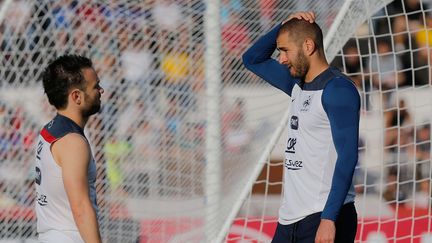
(322, 146)
(66, 206)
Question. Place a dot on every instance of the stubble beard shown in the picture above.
(93, 109)
(301, 66)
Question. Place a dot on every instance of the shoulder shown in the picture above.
(59, 127)
(69, 146)
(340, 90)
(72, 140)
(325, 78)
(296, 90)
(339, 83)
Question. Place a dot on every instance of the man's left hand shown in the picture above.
(326, 232)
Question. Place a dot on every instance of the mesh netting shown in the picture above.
(150, 140)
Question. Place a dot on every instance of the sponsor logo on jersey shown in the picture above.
(291, 145)
(39, 150)
(306, 103)
(294, 122)
(41, 199)
(289, 163)
(293, 164)
(50, 124)
(38, 178)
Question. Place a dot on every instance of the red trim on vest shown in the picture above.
(47, 136)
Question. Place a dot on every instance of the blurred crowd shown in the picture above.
(398, 59)
(149, 56)
(153, 50)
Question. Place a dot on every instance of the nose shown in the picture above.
(101, 90)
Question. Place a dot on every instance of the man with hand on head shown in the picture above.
(322, 146)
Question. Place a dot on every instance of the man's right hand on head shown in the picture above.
(308, 16)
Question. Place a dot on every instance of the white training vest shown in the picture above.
(310, 157)
(53, 210)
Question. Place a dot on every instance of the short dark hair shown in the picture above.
(63, 74)
(303, 29)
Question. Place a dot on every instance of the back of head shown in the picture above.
(62, 75)
(300, 29)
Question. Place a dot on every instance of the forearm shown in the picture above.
(341, 183)
(86, 221)
(259, 61)
(262, 49)
(346, 143)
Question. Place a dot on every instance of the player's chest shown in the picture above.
(307, 110)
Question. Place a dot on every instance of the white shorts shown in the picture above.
(56, 236)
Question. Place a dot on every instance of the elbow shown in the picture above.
(80, 210)
(78, 215)
(351, 163)
(345, 167)
(247, 60)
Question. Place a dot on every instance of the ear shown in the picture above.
(309, 46)
(75, 96)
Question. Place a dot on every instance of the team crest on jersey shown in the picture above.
(306, 104)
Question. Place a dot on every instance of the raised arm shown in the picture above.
(258, 57)
(258, 60)
(73, 154)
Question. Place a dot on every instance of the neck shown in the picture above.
(74, 116)
(316, 67)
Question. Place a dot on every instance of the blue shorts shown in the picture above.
(304, 231)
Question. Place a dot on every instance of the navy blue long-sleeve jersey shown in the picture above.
(322, 144)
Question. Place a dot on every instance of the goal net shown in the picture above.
(188, 143)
